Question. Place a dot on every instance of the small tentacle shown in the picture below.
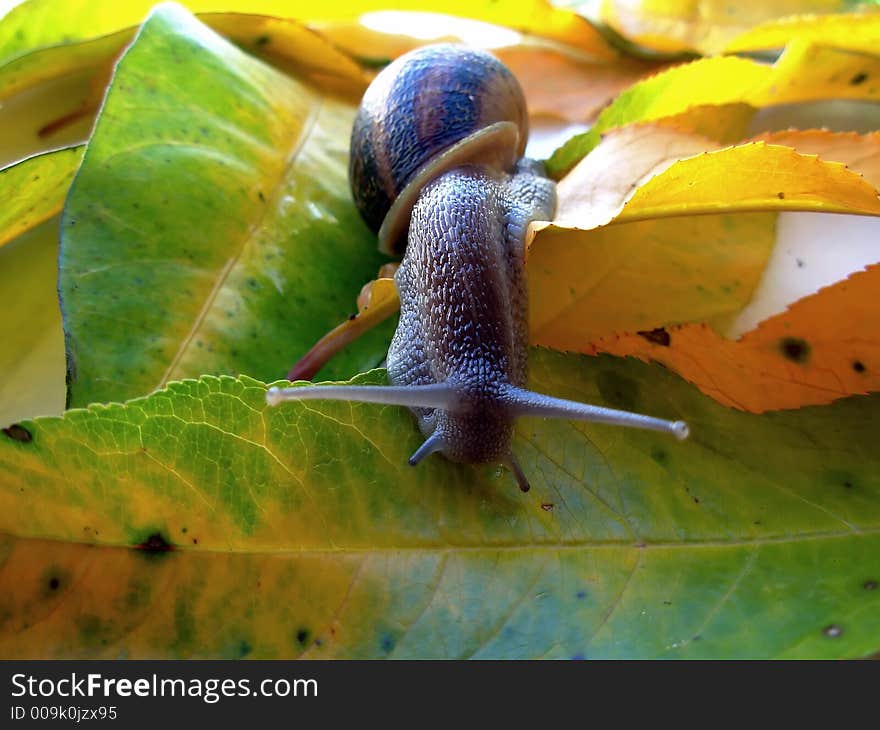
(433, 443)
(512, 464)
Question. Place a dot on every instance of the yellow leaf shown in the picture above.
(820, 350)
(859, 152)
(705, 26)
(632, 276)
(845, 30)
(628, 276)
(27, 27)
(808, 72)
(752, 176)
(805, 72)
(595, 191)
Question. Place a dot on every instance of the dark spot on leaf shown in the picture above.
(387, 643)
(667, 603)
(352, 317)
(262, 197)
(800, 263)
(302, 636)
(580, 595)
(780, 195)
(658, 336)
(858, 366)
(859, 78)
(618, 391)
(183, 530)
(54, 584)
(832, 631)
(840, 478)
(547, 506)
(262, 40)
(154, 544)
(244, 648)
(18, 432)
(795, 349)
(870, 585)
(660, 456)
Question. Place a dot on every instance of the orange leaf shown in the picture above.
(824, 347)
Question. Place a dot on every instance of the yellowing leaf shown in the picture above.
(34, 190)
(624, 277)
(40, 117)
(595, 191)
(859, 152)
(752, 176)
(220, 527)
(705, 26)
(857, 32)
(50, 22)
(803, 73)
(808, 72)
(643, 274)
(32, 355)
(823, 348)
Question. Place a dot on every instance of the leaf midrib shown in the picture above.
(438, 549)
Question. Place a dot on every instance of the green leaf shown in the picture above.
(203, 233)
(301, 529)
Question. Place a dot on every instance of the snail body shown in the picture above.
(437, 171)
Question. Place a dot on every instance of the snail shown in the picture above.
(437, 170)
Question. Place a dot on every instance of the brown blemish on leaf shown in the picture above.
(658, 336)
(547, 506)
(155, 544)
(795, 349)
(858, 366)
(858, 79)
(17, 432)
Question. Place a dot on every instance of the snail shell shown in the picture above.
(430, 110)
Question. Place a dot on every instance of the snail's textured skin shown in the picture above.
(419, 106)
(463, 301)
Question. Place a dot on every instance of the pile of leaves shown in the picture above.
(181, 179)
